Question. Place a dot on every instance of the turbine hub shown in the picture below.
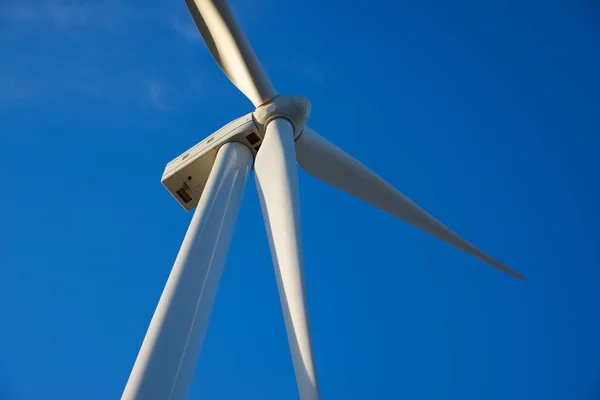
(295, 109)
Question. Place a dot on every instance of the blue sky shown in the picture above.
(485, 115)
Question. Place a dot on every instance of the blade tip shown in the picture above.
(517, 275)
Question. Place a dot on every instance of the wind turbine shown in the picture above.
(211, 177)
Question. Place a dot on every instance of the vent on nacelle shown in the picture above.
(184, 195)
(252, 138)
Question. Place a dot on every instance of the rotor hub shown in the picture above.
(295, 109)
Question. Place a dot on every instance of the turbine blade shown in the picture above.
(277, 183)
(165, 365)
(326, 162)
(230, 48)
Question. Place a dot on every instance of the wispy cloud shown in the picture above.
(157, 92)
(88, 83)
(187, 29)
(110, 73)
(61, 14)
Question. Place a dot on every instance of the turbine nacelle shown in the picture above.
(185, 177)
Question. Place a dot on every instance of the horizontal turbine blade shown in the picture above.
(230, 49)
(277, 183)
(326, 162)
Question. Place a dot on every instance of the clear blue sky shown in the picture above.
(485, 115)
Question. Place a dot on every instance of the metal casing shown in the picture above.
(185, 177)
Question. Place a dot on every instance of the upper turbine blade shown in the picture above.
(326, 162)
(230, 48)
(277, 183)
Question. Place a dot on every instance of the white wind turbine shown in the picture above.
(211, 177)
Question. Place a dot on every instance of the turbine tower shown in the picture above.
(211, 177)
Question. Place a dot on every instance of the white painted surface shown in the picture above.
(230, 49)
(323, 160)
(277, 182)
(167, 359)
